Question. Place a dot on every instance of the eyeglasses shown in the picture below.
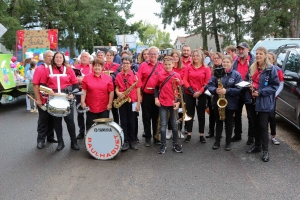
(126, 63)
(217, 58)
(152, 54)
(166, 58)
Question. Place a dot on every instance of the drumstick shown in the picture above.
(42, 107)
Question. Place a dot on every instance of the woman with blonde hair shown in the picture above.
(264, 83)
(195, 79)
(143, 56)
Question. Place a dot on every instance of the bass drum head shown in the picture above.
(104, 141)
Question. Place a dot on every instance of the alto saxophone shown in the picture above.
(118, 102)
(222, 102)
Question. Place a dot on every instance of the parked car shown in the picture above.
(273, 43)
(288, 102)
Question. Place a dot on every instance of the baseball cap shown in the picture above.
(243, 45)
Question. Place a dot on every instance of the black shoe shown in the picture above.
(40, 145)
(216, 145)
(250, 141)
(133, 146)
(202, 139)
(148, 143)
(52, 140)
(254, 149)
(125, 146)
(187, 139)
(156, 141)
(74, 145)
(210, 134)
(60, 145)
(144, 135)
(80, 136)
(177, 148)
(265, 156)
(227, 147)
(162, 148)
(236, 138)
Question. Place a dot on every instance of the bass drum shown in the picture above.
(104, 140)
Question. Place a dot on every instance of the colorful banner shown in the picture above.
(36, 52)
(6, 74)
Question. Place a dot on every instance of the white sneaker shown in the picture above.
(180, 135)
(31, 110)
(275, 141)
(169, 135)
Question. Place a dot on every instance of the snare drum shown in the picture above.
(58, 105)
(104, 140)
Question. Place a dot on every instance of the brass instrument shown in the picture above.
(179, 95)
(118, 102)
(222, 101)
(46, 89)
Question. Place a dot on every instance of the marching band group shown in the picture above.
(182, 81)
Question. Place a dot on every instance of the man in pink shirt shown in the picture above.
(148, 72)
(86, 68)
(186, 55)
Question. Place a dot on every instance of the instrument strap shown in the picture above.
(149, 76)
(166, 80)
(111, 65)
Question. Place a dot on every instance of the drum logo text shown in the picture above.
(102, 129)
(106, 155)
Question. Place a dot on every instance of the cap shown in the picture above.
(28, 55)
(243, 45)
(113, 49)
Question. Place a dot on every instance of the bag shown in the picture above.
(30, 87)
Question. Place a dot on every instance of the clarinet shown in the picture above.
(252, 89)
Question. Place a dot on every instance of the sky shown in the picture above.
(145, 9)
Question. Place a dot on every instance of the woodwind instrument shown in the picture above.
(222, 101)
(252, 90)
(46, 89)
(120, 101)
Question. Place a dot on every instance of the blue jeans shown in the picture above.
(163, 112)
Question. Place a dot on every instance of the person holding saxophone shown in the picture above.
(128, 87)
(165, 100)
(225, 98)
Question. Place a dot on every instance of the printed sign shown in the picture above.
(6, 74)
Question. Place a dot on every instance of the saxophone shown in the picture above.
(222, 102)
(118, 102)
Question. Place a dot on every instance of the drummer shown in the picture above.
(67, 84)
(98, 93)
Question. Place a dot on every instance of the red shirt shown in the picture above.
(85, 69)
(243, 68)
(187, 63)
(180, 71)
(65, 81)
(255, 78)
(125, 81)
(97, 91)
(38, 74)
(280, 75)
(111, 66)
(166, 95)
(196, 78)
(144, 71)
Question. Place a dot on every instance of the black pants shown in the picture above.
(127, 121)
(70, 126)
(149, 113)
(212, 118)
(91, 116)
(136, 127)
(238, 118)
(261, 130)
(228, 124)
(80, 117)
(272, 121)
(190, 107)
(115, 111)
(45, 127)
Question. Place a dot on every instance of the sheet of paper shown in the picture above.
(207, 92)
(133, 106)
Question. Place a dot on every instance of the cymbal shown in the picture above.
(103, 120)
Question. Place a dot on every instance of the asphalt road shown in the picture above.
(198, 173)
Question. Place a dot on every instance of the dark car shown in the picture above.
(288, 102)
